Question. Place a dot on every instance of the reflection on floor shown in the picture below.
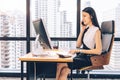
(13, 78)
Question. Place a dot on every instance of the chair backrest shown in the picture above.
(107, 29)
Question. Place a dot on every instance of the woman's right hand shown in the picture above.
(82, 27)
(72, 51)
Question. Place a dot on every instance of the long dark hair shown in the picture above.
(92, 13)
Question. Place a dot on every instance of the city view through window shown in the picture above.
(60, 18)
(12, 24)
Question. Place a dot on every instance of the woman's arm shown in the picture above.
(98, 48)
(79, 40)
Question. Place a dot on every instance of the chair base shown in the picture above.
(89, 68)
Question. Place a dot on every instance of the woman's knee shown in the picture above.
(61, 65)
(65, 71)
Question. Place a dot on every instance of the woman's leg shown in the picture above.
(60, 66)
(64, 73)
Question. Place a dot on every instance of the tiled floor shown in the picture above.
(10, 78)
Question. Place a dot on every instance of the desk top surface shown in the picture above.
(55, 58)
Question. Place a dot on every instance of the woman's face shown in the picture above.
(86, 18)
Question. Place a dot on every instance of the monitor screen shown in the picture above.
(41, 30)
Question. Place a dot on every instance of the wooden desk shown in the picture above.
(29, 57)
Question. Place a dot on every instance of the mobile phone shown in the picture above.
(83, 23)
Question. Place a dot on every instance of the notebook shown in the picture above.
(64, 54)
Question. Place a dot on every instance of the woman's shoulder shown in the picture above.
(94, 28)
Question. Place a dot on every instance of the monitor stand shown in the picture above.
(38, 49)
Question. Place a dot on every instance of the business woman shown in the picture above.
(88, 42)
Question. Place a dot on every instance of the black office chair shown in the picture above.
(107, 29)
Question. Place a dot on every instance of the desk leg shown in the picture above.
(71, 74)
(35, 71)
(22, 66)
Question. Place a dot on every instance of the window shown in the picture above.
(59, 19)
(12, 34)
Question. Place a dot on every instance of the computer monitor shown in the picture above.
(41, 30)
